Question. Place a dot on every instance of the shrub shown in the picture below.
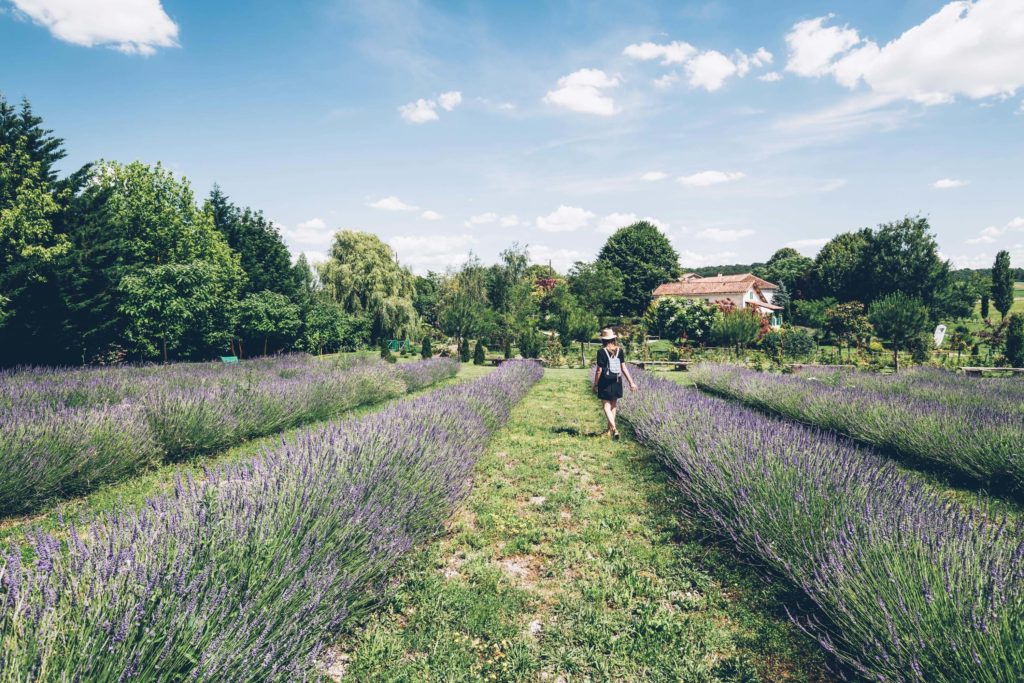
(479, 353)
(1014, 349)
(464, 350)
(531, 344)
(425, 350)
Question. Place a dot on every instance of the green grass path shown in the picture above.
(569, 562)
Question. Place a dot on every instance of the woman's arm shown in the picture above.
(597, 376)
(625, 371)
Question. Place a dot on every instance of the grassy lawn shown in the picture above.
(136, 490)
(569, 562)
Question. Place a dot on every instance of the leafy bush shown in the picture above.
(464, 350)
(425, 350)
(787, 343)
(1014, 347)
(479, 353)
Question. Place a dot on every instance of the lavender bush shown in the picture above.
(245, 575)
(975, 438)
(907, 586)
(63, 433)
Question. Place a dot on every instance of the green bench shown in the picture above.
(229, 359)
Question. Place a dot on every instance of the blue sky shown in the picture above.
(450, 127)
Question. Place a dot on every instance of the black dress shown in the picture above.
(609, 386)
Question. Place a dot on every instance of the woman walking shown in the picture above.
(611, 367)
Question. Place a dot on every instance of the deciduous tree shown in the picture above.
(645, 258)
(898, 318)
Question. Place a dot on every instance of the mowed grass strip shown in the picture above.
(569, 562)
(160, 480)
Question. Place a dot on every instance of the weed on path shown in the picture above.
(569, 563)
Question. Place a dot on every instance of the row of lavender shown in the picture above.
(943, 386)
(63, 433)
(245, 575)
(906, 586)
(971, 432)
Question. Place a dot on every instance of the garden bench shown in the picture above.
(229, 359)
(820, 366)
(680, 365)
(978, 372)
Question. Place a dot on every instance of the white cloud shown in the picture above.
(948, 183)
(393, 203)
(697, 259)
(432, 252)
(770, 77)
(583, 91)
(424, 110)
(429, 215)
(665, 82)
(708, 178)
(450, 100)
(992, 233)
(971, 49)
(420, 111)
(491, 217)
(808, 247)
(564, 219)
(311, 237)
(988, 235)
(652, 176)
(129, 26)
(614, 221)
(724, 235)
(560, 259)
(813, 46)
(709, 70)
(675, 52)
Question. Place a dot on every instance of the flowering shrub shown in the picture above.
(906, 585)
(63, 433)
(970, 431)
(247, 574)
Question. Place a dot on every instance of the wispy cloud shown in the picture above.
(949, 184)
(393, 203)
(709, 178)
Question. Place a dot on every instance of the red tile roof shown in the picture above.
(709, 286)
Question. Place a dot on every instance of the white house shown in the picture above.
(745, 291)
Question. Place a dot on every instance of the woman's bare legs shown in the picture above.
(610, 410)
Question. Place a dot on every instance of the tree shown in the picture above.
(1002, 283)
(363, 275)
(597, 286)
(994, 335)
(784, 299)
(660, 318)
(163, 303)
(425, 350)
(840, 267)
(789, 268)
(898, 318)
(464, 350)
(1014, 351)
(268, 315)
(327, 328)
(258, 242)
(645, 258)
(984, 307)
(849, 324)
(904, 257)
(479, 353)
(571, 321)
(130, 218)
(960, 340)
(425, 300)
(736, 328)
(463, 308)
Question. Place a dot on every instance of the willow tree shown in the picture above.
(363, 275)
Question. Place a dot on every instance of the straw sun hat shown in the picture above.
(607, 334)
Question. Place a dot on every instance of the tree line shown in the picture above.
(119, 261)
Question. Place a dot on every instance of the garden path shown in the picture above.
(569, 562)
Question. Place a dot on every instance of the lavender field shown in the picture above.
(902, 584)
(66, 432)
(971, 428)
(246, 574)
